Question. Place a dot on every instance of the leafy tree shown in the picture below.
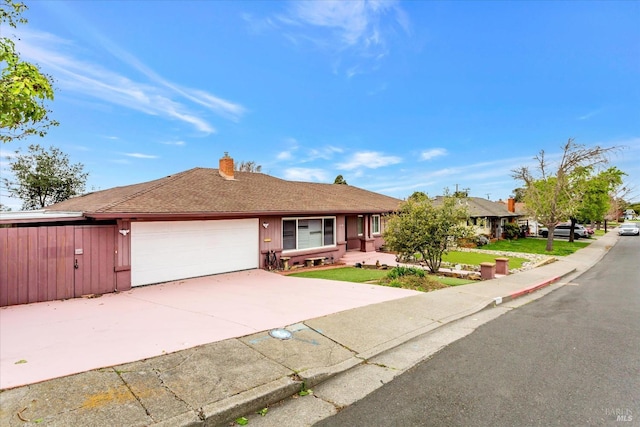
(461, 193)
(249, 166)
(597, 196)
(43, 177)
(4, 208)
(518, 194)
(340, 180)
(555, 193)
(427, 227)
(419, 196)
(23, 88)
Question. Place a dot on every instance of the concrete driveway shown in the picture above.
(53, 339)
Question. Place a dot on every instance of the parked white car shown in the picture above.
(629, 229)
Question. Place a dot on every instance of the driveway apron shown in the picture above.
(54, 339)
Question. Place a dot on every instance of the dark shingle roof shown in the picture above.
(479, 207)
(204, 191)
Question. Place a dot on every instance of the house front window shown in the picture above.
(375, 224)
(360, 225)
(308, 233)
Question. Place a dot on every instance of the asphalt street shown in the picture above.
(570, 358)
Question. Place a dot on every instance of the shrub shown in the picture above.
(482, 240)
(400, 271)
(419, 283)
(411, 278)
(511, 230)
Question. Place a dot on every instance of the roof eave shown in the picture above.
(222, 215)
(24, 217)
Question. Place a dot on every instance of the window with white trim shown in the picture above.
(360, 225)
(375, 224)
(308, 233)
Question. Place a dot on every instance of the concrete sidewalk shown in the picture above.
(214, 383)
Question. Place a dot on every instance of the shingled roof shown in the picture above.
(479, 207)
(205, 191)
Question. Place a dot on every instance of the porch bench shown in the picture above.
(310, 262)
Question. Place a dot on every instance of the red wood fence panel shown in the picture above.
(95, 273)
(37, 263)
(33, 264)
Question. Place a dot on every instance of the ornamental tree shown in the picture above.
(427, 227)
(555, 192)
(23, 88)
(42, 177)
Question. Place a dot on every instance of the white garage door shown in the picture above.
(171, 250)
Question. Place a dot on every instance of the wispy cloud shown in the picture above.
(305, 174)
(432, 153)
(121, 161)
(80, 147)
(291, 146)
(140, 155)
(351, 23)
(590, 114)
(368, 159)
(176, 143)
(153, 96)
(222, 107)
(284, 155)
(307, 155)
(471, 176)
(362, 28)
(324, 153)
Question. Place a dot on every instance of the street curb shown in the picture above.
(519, 293)
(225, 411)
(315, 376)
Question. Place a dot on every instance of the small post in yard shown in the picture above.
(502, 266)
(487, 270)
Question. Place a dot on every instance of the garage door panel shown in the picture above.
(173, 250)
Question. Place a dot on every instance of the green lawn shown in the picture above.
(454, 281)
(476, 258)
(345, 274)
(528, 245)
(361, 275)
(561, 247)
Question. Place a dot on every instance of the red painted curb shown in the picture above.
(534, 287)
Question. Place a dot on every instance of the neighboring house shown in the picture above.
(525, 221)
(194, 223)
(629, 214)
(487, 217)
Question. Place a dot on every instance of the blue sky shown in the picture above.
(395, 96)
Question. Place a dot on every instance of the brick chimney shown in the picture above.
(511, 204)
(226, 166)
